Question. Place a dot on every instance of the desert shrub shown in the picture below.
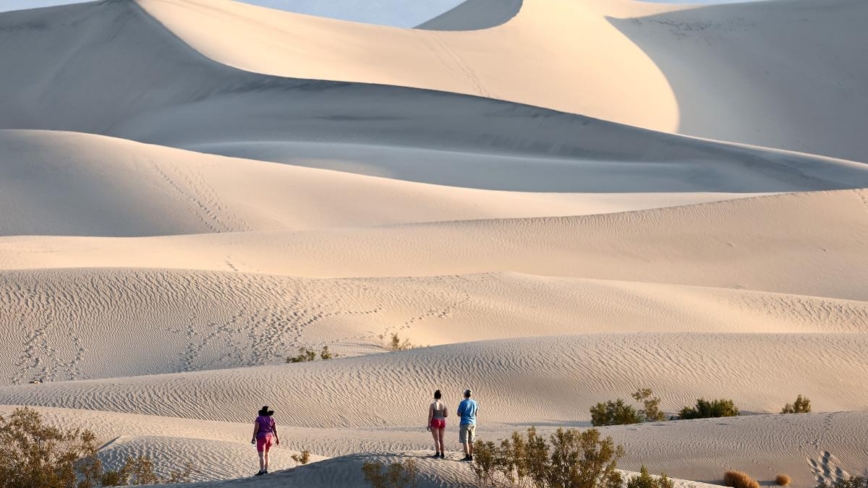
(325, 354)
(645, 480)
(307, 355)
(852, 482)
(783, 480)
(400, 474)
(651, 412)
(801, 405)
(396, 344)
(568, 459)
(301, 458)
(35, 455)
(614, 413)
(737, 479)
(304, 355)
(706, 409)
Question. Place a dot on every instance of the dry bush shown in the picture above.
(645, 480)
(737, 479)
(651, 412)
(35, 455)
(614, 413)
(706, 409)
(396, 344)
(400, 474)
(302, 458)
(801, 405)
(568, 459)
(306, 355)
(325, 354)
(783, 480)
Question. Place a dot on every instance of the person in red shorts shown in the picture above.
(264, 436)
(437, 423)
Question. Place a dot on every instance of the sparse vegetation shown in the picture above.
(651, 412)
(801, 405)
(33, 454)
(614, 413)
(325, 354)
(301, 458)
(569, 459)
(645, 480)
(307, 355)
(737, 479)
(706, 409)
(852, 482)
(396, 344)
(619, 413)
(783, 480)
(400, 474)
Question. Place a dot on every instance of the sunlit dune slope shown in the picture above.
(101, 323)
(761, 243)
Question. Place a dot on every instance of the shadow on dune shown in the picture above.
(789, 75)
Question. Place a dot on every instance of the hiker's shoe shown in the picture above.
(260, 473)
(467, 458)
(436, 455)
(266, 471)
(471, 458)
(442, 456)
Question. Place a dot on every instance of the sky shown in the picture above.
(397, 13)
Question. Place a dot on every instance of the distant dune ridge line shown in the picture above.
(554, 202)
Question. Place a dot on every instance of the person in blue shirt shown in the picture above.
(467, 410)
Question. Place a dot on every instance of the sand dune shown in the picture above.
(113, 187)
(756, 244)
(737, 71)
(691, 75)
(805, 446)
(78, 324)
(190, 190)
(474, 15)
(570, 373)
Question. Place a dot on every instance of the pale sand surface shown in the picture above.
(751, 244)
(97, 323)
(191, 190)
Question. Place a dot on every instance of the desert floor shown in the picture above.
(556, 202)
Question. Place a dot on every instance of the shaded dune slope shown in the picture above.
(474, 14)
(96, 323)
(54, 183)
(754, 73)
(781, 74)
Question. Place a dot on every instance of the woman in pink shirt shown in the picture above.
(264, 435)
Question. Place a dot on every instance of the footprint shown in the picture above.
(826, 468)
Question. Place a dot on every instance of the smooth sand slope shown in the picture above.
(754, 73)
(76, 184)
(761, 244)
(161, 91)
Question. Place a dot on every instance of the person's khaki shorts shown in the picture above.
(466, 433)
